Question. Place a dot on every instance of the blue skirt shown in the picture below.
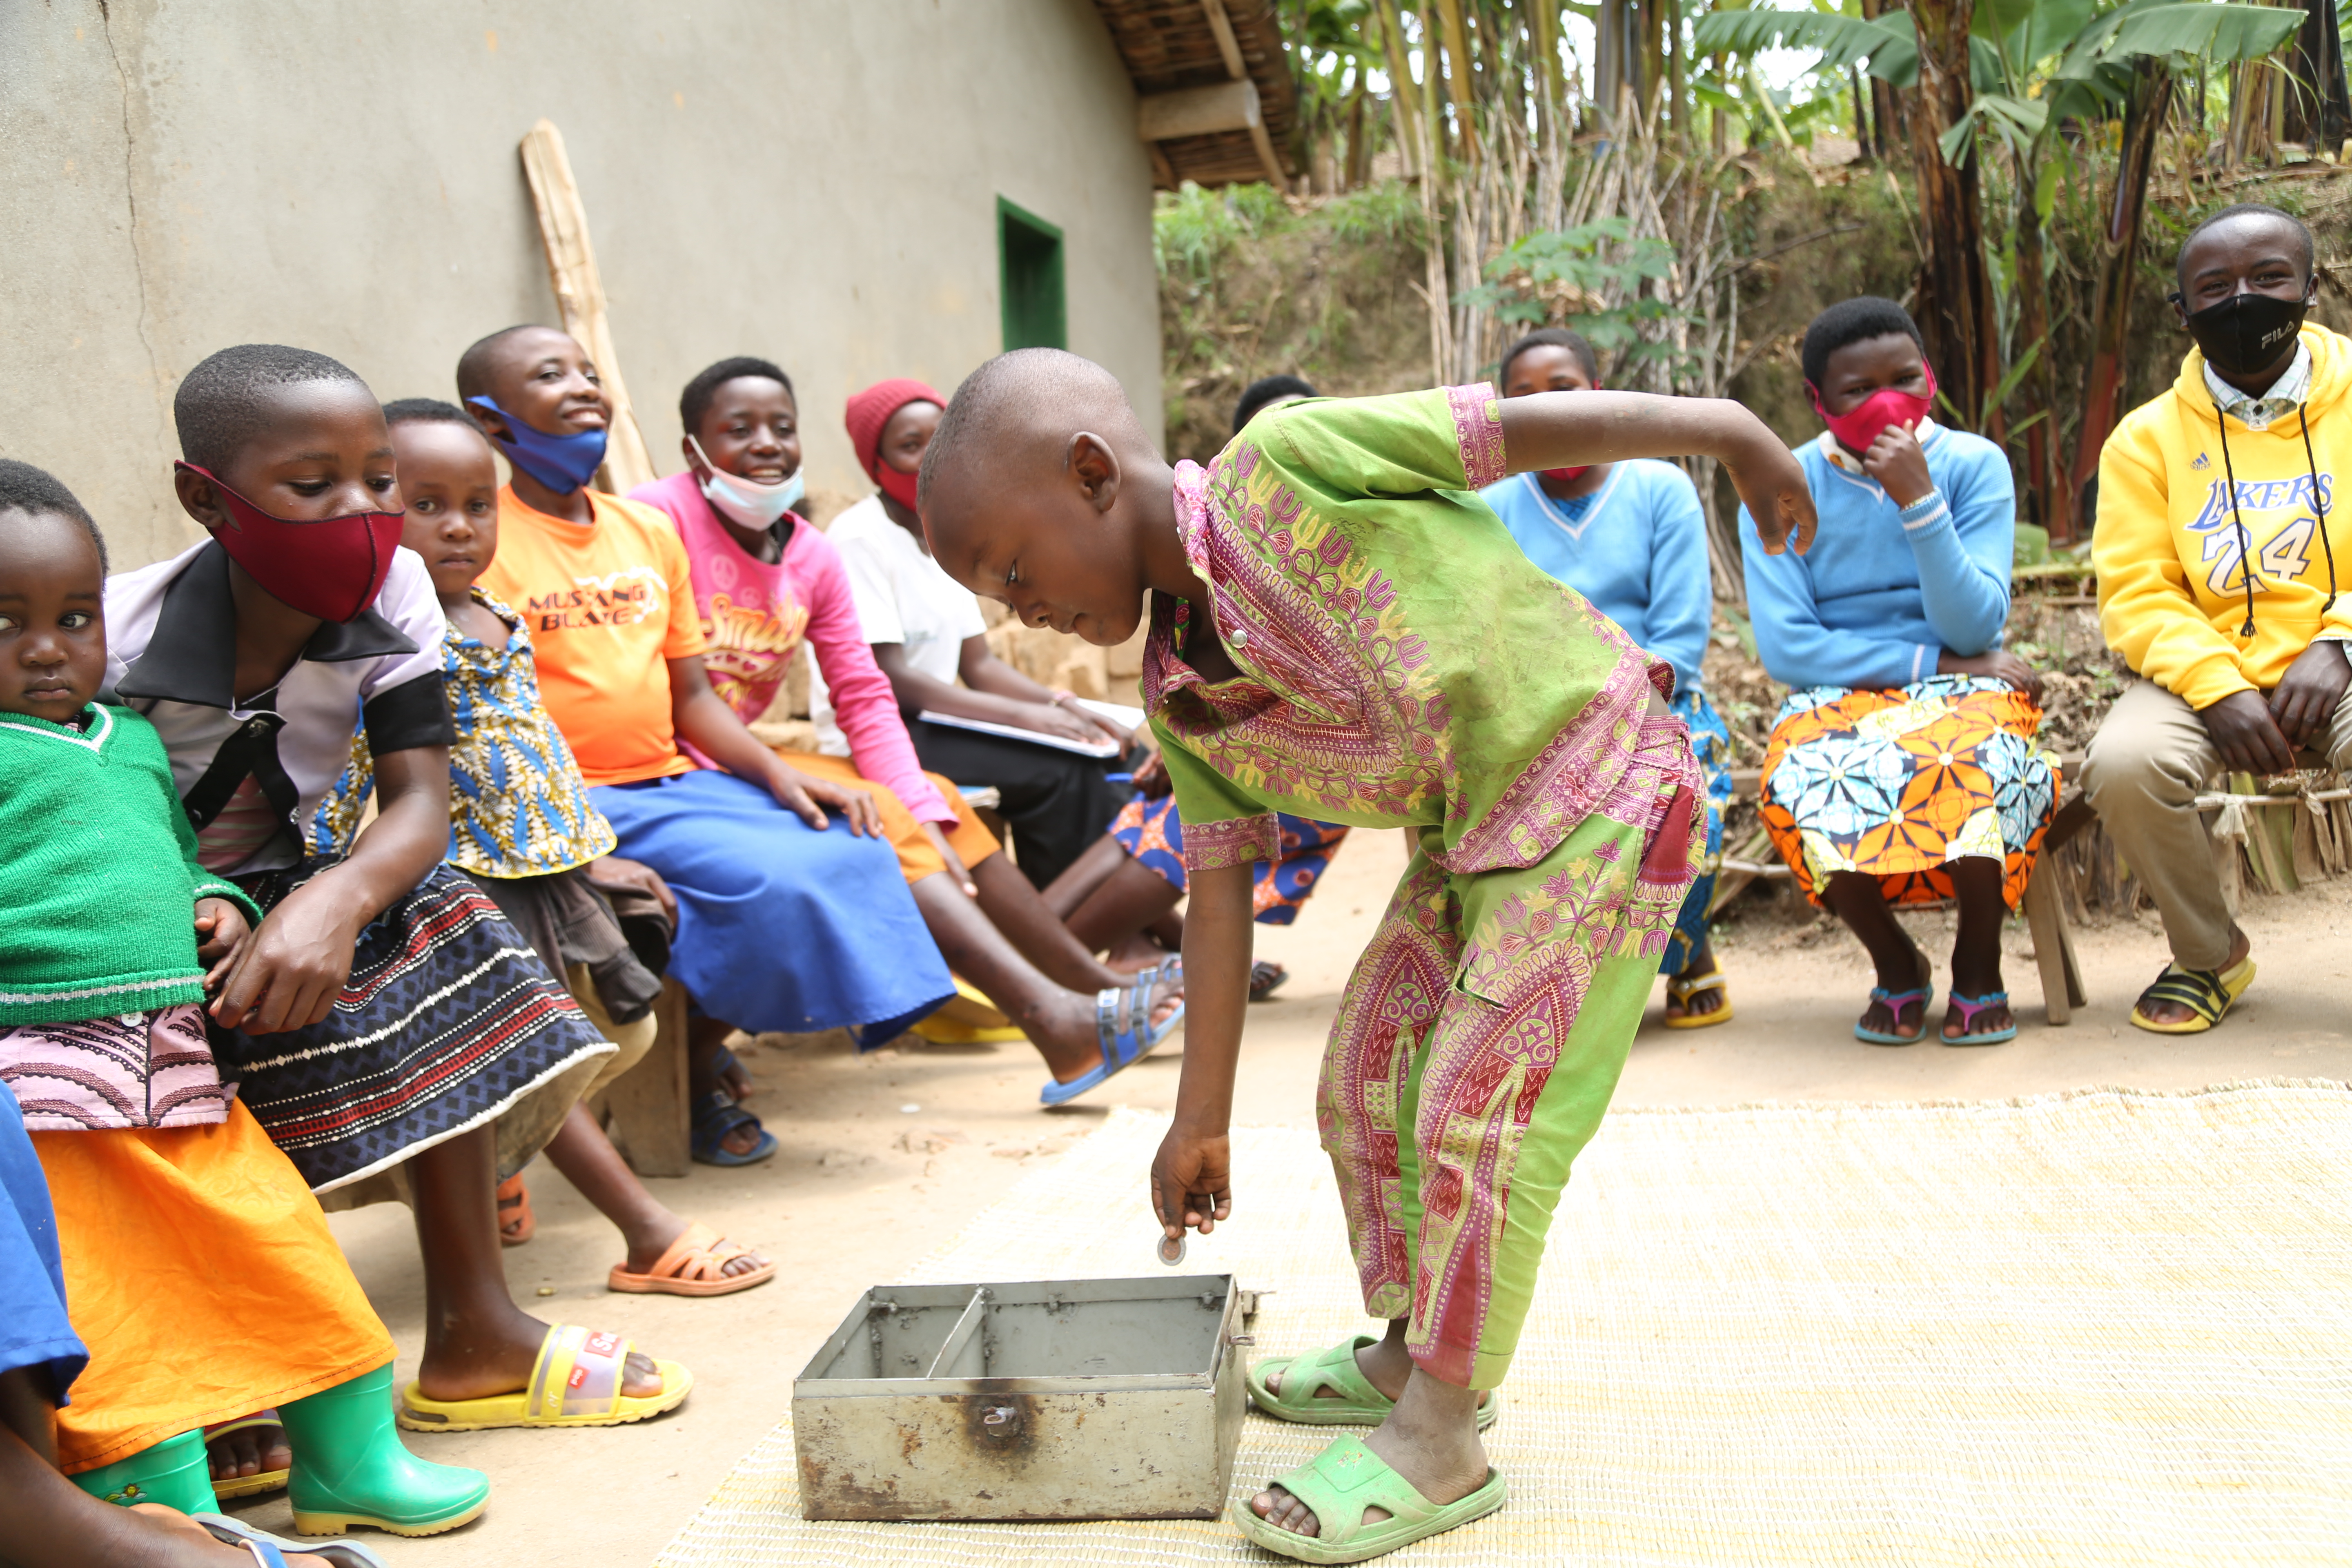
(779, 927)
(1712, 742)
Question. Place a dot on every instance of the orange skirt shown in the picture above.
(200, 1272)
(968, 836)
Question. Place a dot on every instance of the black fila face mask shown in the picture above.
(2246, 332)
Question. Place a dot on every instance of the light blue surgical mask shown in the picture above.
(561, 463)
(748, 503)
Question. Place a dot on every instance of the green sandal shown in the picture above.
(1303, 1378)
(1343, 1481)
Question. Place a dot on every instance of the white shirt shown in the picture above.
(381, 669)
(902, 596)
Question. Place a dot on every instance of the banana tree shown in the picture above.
(2037, 65)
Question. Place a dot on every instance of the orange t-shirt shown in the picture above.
(605, 605)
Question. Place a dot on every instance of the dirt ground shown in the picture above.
(885, 1157)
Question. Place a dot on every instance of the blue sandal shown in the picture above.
(714, 1116)
(1125, 1040)
(271, 1550)
(1969, 1006)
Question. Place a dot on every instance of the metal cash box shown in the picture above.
(1054, 1399)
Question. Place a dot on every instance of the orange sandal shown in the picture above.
(695, 1265)
(517, 1224)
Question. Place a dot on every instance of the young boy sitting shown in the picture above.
(521, 828)
(1342, 630)
(385, 1017)
(180, 1226)
(1631, 538)
(2240, 666)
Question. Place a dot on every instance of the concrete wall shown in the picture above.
(811, 180)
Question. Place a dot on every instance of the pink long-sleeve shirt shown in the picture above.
(755, 616)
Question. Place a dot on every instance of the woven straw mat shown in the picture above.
(2104, 1327)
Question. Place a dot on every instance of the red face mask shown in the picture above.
(1857, 428)
(896, 484)
(332, 568)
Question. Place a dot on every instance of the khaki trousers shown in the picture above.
(2147, 765)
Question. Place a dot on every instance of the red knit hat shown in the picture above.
(871, 409)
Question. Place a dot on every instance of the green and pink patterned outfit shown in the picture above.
(1404, 665)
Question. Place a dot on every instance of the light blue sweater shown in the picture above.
(1884, 589)
(1638, 551)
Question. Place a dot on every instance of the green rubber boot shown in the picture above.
(349, 1466)
(175, 1472)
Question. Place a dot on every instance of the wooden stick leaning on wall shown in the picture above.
(580, 296)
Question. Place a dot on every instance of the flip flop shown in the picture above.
(260, 1480)
(1124, 1030)
(517, 1224)
(1969, 1006)
(2208, 993)
(1683, 987)
(1341, 1484)
(695, 1265)
(1305, 1377)
(576, 1383)
(714, 1116)
(271, 1549)
(1925, 995)
(1266, 977)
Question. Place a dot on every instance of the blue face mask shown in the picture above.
(561, 463)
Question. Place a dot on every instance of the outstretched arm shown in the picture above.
(1192, 1177)
(1563, 429)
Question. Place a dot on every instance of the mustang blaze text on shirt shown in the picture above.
(606, 604)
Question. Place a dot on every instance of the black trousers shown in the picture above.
(1056, 803)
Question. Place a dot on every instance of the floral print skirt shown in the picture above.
(1896, 783)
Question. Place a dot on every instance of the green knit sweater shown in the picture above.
(99, 877)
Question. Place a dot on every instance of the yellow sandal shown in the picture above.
(1681, 988)
(576, 1383)
(2206, 994)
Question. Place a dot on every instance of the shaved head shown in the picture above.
(1040, 491)
(1023, 407)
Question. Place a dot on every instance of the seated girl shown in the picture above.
(765, 580)
(1903, 768)
(927, 637)
(522, 829)
(388, 1026)
(1645, 566)
(179, 1227)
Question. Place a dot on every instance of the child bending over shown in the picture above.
(385, 1020)
(181, 1225)
(1903, 768)
(1342, 630)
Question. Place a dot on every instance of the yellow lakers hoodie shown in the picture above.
(2170, 547)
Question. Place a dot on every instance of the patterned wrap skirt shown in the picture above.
(448, 1021)
(1711, 743)
(1153, 832)
(1896, 783)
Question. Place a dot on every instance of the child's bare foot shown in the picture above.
(1062, 1027)
(249, 1451)
(1431, 1438)
(1133, 952)
(473, 1360)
